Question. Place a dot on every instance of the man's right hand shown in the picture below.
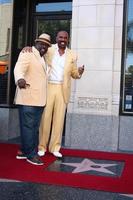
(22, 84)
(27, 49)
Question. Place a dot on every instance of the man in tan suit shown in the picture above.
(63, 62)
(31, 81)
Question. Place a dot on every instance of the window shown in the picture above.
(54, 7)
(5, 41)
(52, 16)
(127, 96)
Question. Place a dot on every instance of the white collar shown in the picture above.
(57, 48)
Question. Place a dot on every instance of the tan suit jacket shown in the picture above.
(70, 70)
(31, 68)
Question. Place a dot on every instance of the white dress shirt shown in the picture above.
(57, 71)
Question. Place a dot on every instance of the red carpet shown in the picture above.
(11, 168)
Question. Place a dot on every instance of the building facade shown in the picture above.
(99, 114)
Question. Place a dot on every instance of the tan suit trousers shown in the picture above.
(52, 119)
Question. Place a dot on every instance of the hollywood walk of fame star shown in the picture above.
(87, 165)
(127, 195)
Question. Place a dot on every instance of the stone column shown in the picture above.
(92, 120)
